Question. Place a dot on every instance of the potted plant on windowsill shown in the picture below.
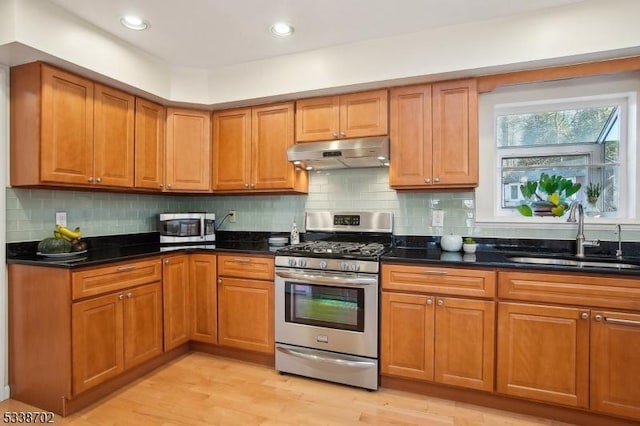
(593, 194)
(547, 196)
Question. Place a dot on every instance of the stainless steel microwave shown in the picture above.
(187, 227)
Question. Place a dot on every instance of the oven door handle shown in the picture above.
(336, 361)
(327, 280)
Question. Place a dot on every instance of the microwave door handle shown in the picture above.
(202, 231)
(336, 281)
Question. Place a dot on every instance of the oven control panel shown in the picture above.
(364, 266)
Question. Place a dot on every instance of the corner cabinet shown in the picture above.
(69, 131)
(250, 150)
(203, 298)
(434, 136)
(176, 300)
(245, 302)
(353, 115)
(188, 151)
(431, 332)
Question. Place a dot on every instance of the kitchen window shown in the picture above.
(582, 129)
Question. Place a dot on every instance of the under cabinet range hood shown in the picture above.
(341, 154)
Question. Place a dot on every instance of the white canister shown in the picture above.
(451, 242)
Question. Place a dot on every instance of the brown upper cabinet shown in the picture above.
(188, 150)
(434, 136)
(348, 116)
(67, 130)
(250, 150)
(149, 145)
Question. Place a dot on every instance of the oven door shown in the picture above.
(333, 311)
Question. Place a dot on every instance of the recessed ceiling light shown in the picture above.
(134, 23)
(281, 29)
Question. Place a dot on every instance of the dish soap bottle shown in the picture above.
(294, 238)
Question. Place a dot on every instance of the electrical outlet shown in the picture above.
(438, 218)
(232, 216)
(61, 218)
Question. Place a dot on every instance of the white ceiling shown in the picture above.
(209, 34)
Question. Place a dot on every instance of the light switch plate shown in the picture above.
(438, 218)
(61, 218)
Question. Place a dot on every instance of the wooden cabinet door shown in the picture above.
(66, 145)
(411, 136)
(455, 133)
(245, 316)
(175, 301)
(407, 332)
(271, 136)
(149, 145)
(543, 353)
(142, 324)
(615, 366)
(464, 342)
(97, 341)
(204, 298)
(364, 114)
(318, 119)
(188, 150)
(113, 137)
(232, 149)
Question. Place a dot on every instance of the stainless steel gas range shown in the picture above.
(326, 298)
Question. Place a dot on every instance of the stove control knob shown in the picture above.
(355, 267)
(323, 264)
(344, 266)
(292, 262)
(302, 263)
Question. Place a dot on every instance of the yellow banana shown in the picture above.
(73, 235)
(60, 236)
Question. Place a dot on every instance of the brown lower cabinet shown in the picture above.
(203, 298)
(437, 338)
(245, 302)
(175, 299)
(115, 332)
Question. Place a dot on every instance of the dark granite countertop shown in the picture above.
(496, 253)
(117, 248)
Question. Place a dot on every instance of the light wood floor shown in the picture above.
(201, 389)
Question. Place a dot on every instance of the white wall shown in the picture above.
(4, 146)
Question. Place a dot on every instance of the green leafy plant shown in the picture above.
(469, 240)
(549, 193)
(593, 192)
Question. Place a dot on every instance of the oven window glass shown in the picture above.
(180, 227)
(325, 306)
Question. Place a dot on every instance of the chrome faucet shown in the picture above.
(619, 232)
(581, 241)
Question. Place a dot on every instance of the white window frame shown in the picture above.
(564, 93)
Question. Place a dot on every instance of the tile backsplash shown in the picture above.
(31, 212)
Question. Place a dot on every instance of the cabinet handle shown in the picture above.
(429, 301)
(584, 315)
(598, 317)
(169, 185)
(436, 180)
(98, 179)
(129, 295)
(335, 135)
(427, 180)
(121, 296)
(90, 179)
(246, 185)
(620, 321)
(440, 302)
(166, 261)
(220, 281)
(343, 134)
(126, 268)
(432, 272)
(160, 185)
(253, 185)
(242, 260)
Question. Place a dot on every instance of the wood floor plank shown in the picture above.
(199, 389)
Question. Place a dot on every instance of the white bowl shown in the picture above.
(451, 242)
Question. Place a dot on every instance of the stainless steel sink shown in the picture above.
(572, 262)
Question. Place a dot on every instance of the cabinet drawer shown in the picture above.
(576, 289)
(245, 266)
(115, 277)
(438, 280)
